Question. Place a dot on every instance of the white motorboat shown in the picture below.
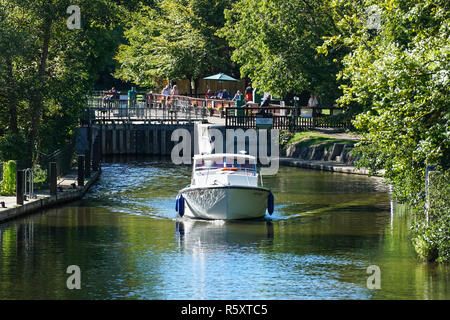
(224, 187)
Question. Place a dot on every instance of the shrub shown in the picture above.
(8, 186)
(285, 137)
(432, 239)
(40, 179)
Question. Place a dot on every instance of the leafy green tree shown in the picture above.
(399, 73)
(13, 146)
(276, 41)
(174, 40)
(46, 69)
(401, 76)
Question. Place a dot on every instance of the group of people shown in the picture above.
(112, 94)
(222, 94)
(239, 96)
(248, 94)
(170, 91)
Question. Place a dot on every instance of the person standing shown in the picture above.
(132, 97)
(314, 103)
(237, 96)
(174, 90)
(149, 99)
(115, 94)
(166, 91)
(249, 93)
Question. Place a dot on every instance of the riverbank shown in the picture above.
(325, 166)
(67, 191)
(322, 149)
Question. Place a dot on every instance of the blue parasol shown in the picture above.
(221, 77)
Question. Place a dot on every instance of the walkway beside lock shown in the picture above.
(71, 186)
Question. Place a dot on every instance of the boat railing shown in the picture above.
(248, 181)
(226, 169)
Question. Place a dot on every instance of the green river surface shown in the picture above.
(124, 235)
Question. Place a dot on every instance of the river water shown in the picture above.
(125, 237)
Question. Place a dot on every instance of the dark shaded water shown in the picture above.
(125, 237)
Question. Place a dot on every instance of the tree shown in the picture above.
(276, 41)
(400, 75)
(46, 69)
(174, 40)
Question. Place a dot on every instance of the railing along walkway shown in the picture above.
(283, 118)
(155, 110)
(178, 109)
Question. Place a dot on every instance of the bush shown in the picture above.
(432, 239)
(40, 179)
(285, 137)
(8, 186)
(425, 249)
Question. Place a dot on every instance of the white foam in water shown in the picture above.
(217, 222)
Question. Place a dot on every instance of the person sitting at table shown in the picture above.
(109, 95)
(226, 95)
(217, 94)
(208, 94)
(115, 94)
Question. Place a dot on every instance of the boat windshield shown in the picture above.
(224, 163)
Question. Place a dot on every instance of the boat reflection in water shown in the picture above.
(219, 234)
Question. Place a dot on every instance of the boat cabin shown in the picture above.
(224, 169)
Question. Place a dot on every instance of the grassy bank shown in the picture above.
(311, 138)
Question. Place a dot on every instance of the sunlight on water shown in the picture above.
(130, 244)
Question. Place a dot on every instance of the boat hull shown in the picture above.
(225, 202)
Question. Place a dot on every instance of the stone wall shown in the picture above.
(340, 152)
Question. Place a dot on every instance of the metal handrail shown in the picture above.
(29, 177)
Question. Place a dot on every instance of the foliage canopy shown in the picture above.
(399, 73)
(46, 69)
(174, 40)
(275, 43)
